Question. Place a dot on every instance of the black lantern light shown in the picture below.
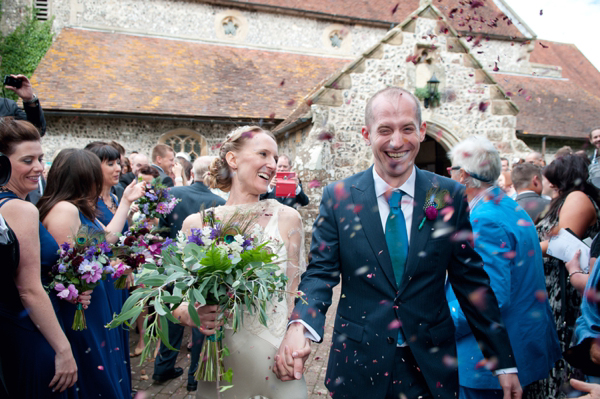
(432, 91)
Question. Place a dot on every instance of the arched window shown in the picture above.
(185, 140)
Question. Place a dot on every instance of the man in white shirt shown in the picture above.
(393, 333)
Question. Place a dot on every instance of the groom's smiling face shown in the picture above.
(394, 135)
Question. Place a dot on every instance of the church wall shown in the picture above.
(13, 13)
(346, 153)
(199, 21)
(134, 134)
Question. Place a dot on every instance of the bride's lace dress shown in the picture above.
(253, 346)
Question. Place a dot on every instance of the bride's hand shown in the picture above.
(208, 318)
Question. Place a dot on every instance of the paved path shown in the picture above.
(176, 388)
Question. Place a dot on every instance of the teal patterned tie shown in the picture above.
(396, 236)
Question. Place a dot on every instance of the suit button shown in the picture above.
(390, 340)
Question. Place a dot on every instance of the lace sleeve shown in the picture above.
(292, 233)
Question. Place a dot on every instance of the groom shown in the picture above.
(393, 332)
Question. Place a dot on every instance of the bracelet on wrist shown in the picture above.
(575, 272)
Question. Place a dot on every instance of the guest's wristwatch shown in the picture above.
(33, 102)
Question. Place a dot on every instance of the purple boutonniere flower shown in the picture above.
(435, 200)
(431, 212)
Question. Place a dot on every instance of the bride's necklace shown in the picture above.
(5, 189)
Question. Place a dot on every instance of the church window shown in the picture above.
(336, 39)
(185, 140)
(230, 27)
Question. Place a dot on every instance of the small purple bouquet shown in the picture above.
(141, 244)
(157, 201)
(80, 267)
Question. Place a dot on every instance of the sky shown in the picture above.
(567, 21)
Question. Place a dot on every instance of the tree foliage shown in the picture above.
(23, 49)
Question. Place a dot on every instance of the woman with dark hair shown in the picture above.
(107, 204)
(148, 173)
(576, 207)
(35, 355)
(75, 182)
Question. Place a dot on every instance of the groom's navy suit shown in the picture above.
(349, 243)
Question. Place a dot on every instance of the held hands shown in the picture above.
(511, 386)
(292, 354)
(25, 92)
(65, 374)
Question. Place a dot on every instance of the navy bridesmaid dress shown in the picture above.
(101, 358)
(26, 357)
(116, 297)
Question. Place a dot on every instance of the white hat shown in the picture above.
(184, 155)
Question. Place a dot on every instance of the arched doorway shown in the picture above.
(433, 155)
(185, 140)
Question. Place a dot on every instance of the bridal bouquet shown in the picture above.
(80, 267)
(157, 201)
(227, 264)
(139, 245)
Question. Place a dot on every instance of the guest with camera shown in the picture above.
(295, 199)
(36, 359)
(32, 110)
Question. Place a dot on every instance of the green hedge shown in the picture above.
(23, 49)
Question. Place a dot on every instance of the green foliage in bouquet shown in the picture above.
(222, 264)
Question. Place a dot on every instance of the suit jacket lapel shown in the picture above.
(418, 237)
(363, 193)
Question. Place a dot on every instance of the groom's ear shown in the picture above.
(366, 134)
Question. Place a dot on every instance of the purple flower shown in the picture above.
(146, 209)
(65, 246)
(104, 246)
(90, 272)
(167, 242)
(162, 208)
(151, 196)
(431, 212)
(121, 268)
(68, 293)
(108, 269)
(196, 237)
(62, 268)
(216, 231)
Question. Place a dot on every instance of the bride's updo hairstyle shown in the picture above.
(219, 173)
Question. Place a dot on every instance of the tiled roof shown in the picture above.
(110, 72)
(575, 66)
(468, 15)
(551, 107)
(556, 107)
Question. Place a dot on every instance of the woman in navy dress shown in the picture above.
(36, 357)
(107, 205)
(74, 184)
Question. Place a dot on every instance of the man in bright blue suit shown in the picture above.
(506, 239)
(388, 234)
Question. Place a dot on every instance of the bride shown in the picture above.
(246, 163)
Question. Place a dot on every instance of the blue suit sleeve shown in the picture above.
(494, 246)
(471, 285)
(323, 272)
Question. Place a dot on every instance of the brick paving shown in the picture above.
(176, 388)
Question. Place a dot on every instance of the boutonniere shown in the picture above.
(435, 200)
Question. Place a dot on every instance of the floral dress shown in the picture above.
(565, 302)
